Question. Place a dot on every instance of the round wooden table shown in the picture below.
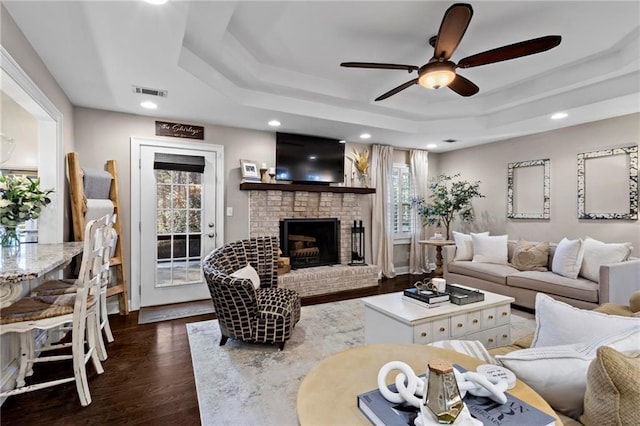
(328, 394)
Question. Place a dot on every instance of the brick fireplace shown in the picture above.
(267, 208)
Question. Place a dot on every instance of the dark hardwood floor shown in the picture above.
(148, 378)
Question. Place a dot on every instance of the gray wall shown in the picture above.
(104, 135)
(23, 53)
(488, 163)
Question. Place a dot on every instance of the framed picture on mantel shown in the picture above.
(249, 171)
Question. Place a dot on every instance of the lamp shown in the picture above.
(435, 75)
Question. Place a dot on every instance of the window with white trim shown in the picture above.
(401, 214)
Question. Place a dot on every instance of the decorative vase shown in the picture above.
(363, 180)
(9, 237)
(442, 397)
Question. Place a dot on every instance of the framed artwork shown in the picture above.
(249, 170)
(529, 189)
(608, 184)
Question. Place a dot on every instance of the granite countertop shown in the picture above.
(34, 260)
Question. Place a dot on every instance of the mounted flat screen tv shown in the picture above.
(309, 159)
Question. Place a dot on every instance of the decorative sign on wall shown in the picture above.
(179, 130)
(593, 203)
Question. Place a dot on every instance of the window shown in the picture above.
(401, 214)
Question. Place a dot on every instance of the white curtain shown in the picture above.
(419, 171)
(381, 226)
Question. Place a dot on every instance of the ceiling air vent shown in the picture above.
(450, 140)
(152, 92)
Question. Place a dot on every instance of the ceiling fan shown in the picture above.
(440, 71)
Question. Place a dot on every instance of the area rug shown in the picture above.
(177, 310)
(246, 384)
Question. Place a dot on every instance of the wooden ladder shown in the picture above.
(78, 209)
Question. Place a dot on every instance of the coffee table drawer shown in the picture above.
(494, 337)
(459, 325)
(503, 315)
(441, 330)
(423, 333)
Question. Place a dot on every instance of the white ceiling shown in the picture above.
(244, 63)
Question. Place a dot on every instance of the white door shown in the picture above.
(178, 210)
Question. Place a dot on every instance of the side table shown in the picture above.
(438, 245)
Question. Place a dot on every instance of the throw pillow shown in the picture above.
(597, 253)
(559, 373)
(558, 323)
(567, 259)
(248, 273)
(613, 390)
(529, 256)
(490, 249)
(464, 246)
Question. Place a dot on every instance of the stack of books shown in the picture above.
(425, 298)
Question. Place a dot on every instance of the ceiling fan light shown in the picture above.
(436, 75)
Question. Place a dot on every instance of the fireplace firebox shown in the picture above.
(310, 242)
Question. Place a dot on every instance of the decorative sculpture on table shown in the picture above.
(21, 199)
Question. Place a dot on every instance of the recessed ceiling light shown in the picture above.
(342, 141)
(365, 136)
(156, 1)
(432, 145)
(559, 115)
(312, 157)
(274, 123)
(148, 105)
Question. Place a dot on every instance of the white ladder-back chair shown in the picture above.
(49, 312)
(107, 238)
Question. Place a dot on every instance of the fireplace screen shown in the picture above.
(310, 242)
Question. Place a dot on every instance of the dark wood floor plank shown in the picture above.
(148, 378)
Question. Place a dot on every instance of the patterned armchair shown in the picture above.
(264, 315)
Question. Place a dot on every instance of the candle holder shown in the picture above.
(264, 177)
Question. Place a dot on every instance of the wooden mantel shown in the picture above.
(249, 186)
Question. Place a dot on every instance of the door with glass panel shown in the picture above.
(177, 223)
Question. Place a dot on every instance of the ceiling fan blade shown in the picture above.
(454, 24)
(397, 89)
(376, 65)
(463, 87)
(512, 51)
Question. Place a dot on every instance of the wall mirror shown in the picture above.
(608, 184)
(529, 189)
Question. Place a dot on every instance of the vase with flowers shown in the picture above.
(361, 163)
(21, 199)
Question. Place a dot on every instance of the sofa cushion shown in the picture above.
(490, 249)
(613, 389)
(567, 259)
(597, 253)
(529, 256)
(464, 246)
(485, 271)
(550, 283)
(558, 323)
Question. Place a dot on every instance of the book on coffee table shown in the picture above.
(515, 412)
(424, 304)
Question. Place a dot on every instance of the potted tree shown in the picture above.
(449, 197)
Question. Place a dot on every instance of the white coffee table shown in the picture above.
(390, 319)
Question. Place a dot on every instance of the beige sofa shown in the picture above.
(617, 281)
